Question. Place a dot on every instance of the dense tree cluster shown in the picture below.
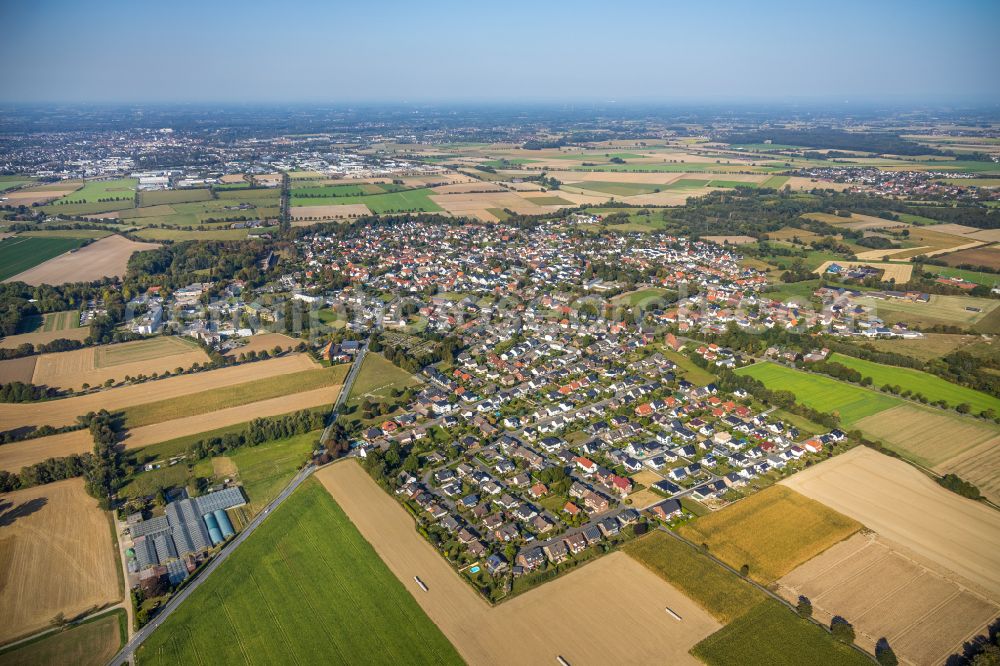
(21, 392)
(825, 137)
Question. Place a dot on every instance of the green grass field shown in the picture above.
(947, 310)
(772, 635)
(641, 296)
(985, 279)
(265, 469)
(550, 201)
(94, 191)
(407, 200)
(378, 378)
(91, 643)
(723, 594)
(682, 167)
(75, 209)
(825, 394)
(19, 253)
(304, 588)
(161, 197)
(918, 381)
(618, 189)
(10, 182)
(336, 191)
(233, 396)
(193, 235)
(691, 372)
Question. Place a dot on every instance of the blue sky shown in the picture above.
(513, 51)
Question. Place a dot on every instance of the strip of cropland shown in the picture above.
(904, 505)
(63, 412)
(16, 455)
(58, 557)
(772, 532)
(850, 403)
(631, 627)
(90, 643)
(304, 588)
(738, 604)
(917, 381)
(20, 253)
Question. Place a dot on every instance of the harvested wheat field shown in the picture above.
(96, 365)
(911, 510)
(264, 342)
(467, 188)
(464, 204)
(887, 592)
(942, 441)
(56, 556)
(982, 256)
(629, 626)
(900, 272)
(16, 455)
(17, 369)
(316, 213)
(104, 258)
(64, 411)
(731, 240)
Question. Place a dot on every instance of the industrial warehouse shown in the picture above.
(189, 526)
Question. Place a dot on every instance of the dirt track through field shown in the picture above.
(64, 412)
(103, 258)
(16, 455)
(900, 503)
(56, 556)
(610, 611)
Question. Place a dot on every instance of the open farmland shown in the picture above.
(239, 394)
(64, 411)
(38, 194)
(96, 365)
(850, 402)
(772, 531)
(390, 202)
(306, 569)
(967, 311)
(161, 197)
(92, 643)
(888, 593)
(57, 556)
(911, 510)
(771, 635)
(264, 342)
(899, 272)
(16, 455)
(917, 381)
(106, 257)
(22, 253)
(100, 191)
(980, 256)
(941, 441)
(930, 346)
(632, 627)
(715, 589)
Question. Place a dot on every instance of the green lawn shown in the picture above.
(772, 635)
(919, 381)
(985, 279)
(161, 197)
(851, 403)
(642, 296)
(306, 588)
(19, 253)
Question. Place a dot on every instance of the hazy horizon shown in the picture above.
(643, 53)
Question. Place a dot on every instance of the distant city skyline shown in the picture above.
(774, 51)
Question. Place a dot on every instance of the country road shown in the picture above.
(127, 653)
